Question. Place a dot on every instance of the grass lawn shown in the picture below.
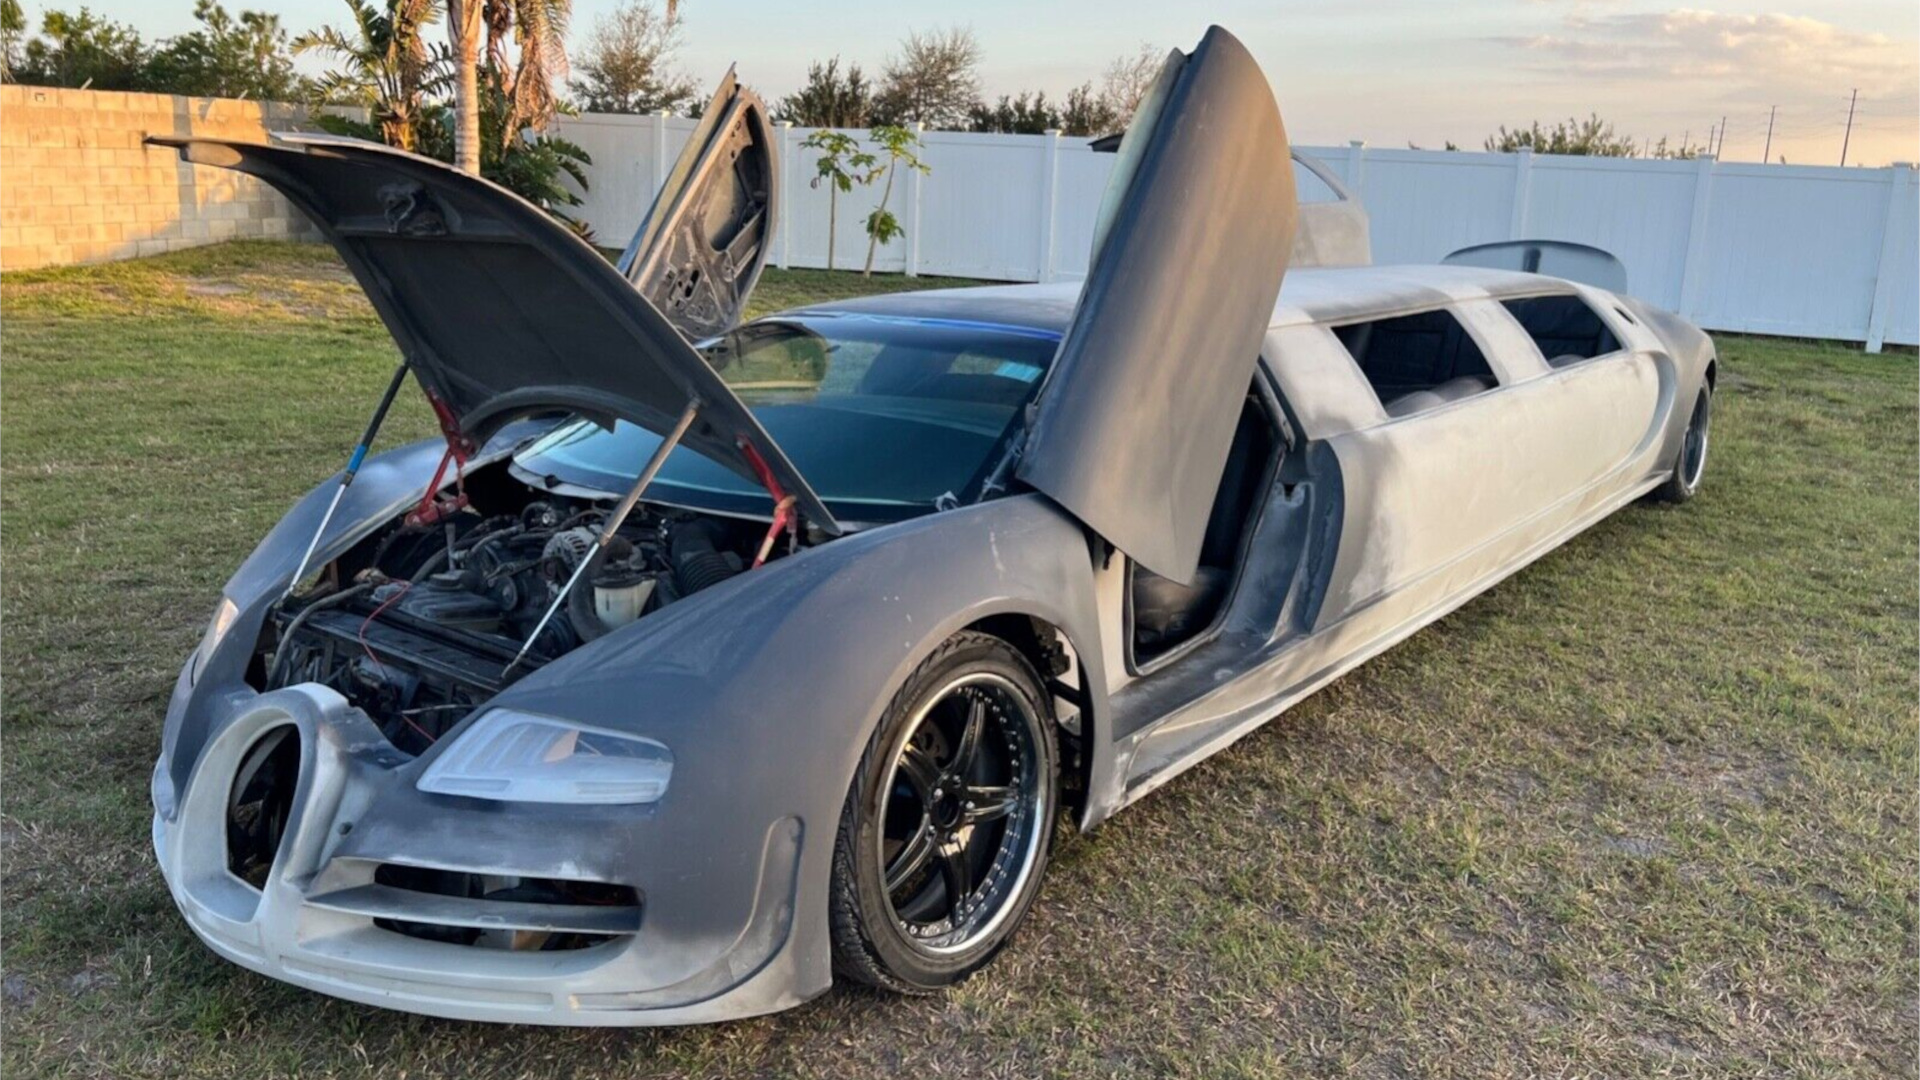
(1647, 809)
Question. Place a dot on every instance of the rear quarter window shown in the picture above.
(1565, 328)
(1418, 362)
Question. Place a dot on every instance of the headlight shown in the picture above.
(519, 757)
(223, 617)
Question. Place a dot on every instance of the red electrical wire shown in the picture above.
(423, 731)
(362, 632)
(362, 635)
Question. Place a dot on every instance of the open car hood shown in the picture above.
(499, 310)
(1132, 428)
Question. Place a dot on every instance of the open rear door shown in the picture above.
(1132, 428)
(699, 253)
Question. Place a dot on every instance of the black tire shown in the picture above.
(918, 811)
(1690, 465)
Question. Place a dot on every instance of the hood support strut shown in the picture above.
(353, 469)
(612, 525)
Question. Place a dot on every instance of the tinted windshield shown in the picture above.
(883, 415)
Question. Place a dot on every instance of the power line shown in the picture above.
(1767, 154)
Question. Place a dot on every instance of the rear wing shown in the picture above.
(1554, 258)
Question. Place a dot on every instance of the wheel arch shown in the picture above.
(1039, 640)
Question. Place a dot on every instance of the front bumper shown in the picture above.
(685, 958)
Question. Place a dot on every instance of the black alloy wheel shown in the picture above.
(945, 834)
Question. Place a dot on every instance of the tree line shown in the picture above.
(1592, 137)
(389, 59)
(248, 55)
(483, 92)
(933, 79)
(625, 65)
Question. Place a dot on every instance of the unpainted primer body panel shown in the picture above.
(1435, 508)
(1131, 428)
(1288, 669)
(1333, 233)
(1429, 490)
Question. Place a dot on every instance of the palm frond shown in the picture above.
(328, 41)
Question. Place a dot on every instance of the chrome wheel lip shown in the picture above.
(1021, 839)
(1693, 448)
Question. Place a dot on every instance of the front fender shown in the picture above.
(811, 648)
(767, 686)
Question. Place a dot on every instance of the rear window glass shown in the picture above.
(1416, 362)
(1565, 328)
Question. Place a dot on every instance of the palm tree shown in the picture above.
(389, 67)
(463, 24)
(538, 30)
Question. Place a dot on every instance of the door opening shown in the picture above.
(1166, 615)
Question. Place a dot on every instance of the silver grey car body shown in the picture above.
(1361, 526)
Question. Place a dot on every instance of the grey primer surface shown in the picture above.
(1362, 527)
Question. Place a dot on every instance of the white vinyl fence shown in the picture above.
(1807, 251)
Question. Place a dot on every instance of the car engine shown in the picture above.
(422, 621)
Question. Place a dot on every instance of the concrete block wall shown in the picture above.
(77, 185)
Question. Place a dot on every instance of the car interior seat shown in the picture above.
(1452, 390)
(1168, 612)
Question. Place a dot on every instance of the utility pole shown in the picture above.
(1767, 154)
(1848, 137)
(1721, 151)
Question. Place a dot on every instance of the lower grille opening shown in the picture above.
(260, 803)
(569, 903)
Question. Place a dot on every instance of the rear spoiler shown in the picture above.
(1554, 258)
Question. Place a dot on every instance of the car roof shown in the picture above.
(1318, 295)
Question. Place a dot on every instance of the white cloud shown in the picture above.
(1739, 55)
(1782, 82)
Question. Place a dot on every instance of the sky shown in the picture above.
(1390, 72)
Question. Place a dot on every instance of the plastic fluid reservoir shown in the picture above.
(620, 598)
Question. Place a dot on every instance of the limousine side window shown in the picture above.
(1565, 328)
(1418, 362)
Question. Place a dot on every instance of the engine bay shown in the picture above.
(439, 610)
